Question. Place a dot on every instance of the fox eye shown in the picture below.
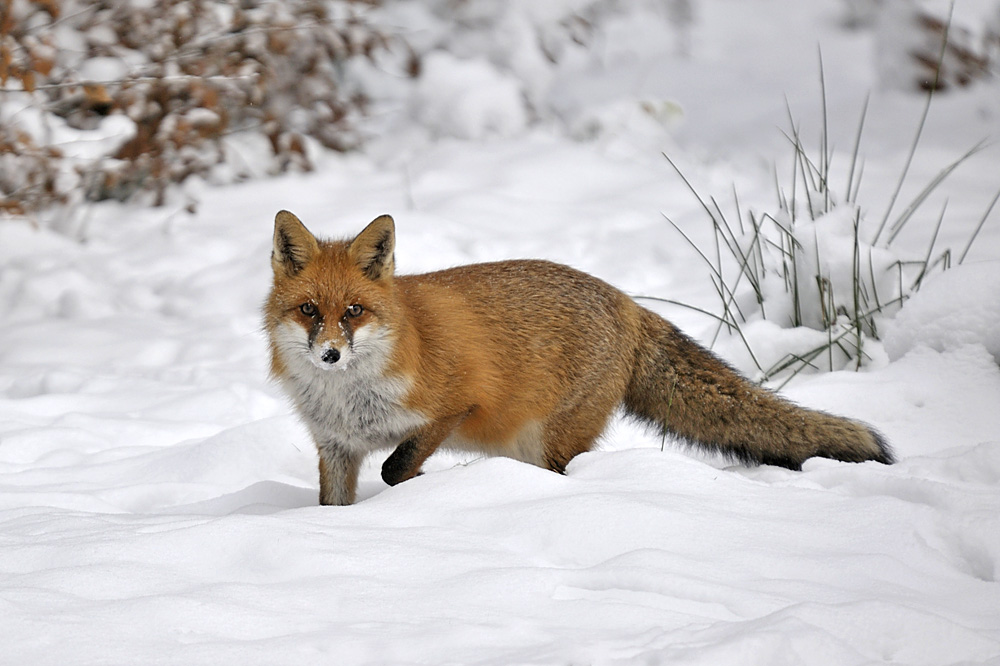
(308, 309)
(355, 310)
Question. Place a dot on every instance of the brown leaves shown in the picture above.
(197, 71)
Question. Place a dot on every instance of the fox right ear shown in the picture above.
(372, 249)
(294, 245)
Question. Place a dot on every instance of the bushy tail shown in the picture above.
(690, 393)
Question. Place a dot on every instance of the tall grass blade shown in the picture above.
(804, 360)
(979, 226)
(721, 287)
(739, 212)
(930, 250)
(920, 127)
(733, 245)
(874, 283)
(857, 281)
(668, 301)
(855, 150)
(898, 225)
(824, 139)
(742, 270)
(857, 184)
(688, 183)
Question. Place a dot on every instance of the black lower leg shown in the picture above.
(399, 465)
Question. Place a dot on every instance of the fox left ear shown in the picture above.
(372, 250)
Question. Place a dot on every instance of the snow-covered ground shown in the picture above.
(158, 496)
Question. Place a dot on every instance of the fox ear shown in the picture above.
(373, 248)
(294, 245)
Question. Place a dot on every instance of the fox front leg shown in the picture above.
(338, 475)
(405, 462)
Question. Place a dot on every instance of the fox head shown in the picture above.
(331, 301)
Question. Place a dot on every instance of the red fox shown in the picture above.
(525, 359)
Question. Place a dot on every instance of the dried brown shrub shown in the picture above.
(187, 73)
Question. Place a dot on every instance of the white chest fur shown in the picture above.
(350, 410)
(353, 406)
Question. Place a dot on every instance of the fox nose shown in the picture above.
(331, 356)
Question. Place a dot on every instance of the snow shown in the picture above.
(158, 494)
(103, 69)
(468, 99)
(959, 307)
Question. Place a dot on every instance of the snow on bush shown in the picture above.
(184, 76)
(234, 90)
(831, 267)
(468, 99)
(490, 67)
(540, 42)
(912, 51)
(812, 292)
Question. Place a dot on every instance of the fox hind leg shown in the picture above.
(570, 434)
